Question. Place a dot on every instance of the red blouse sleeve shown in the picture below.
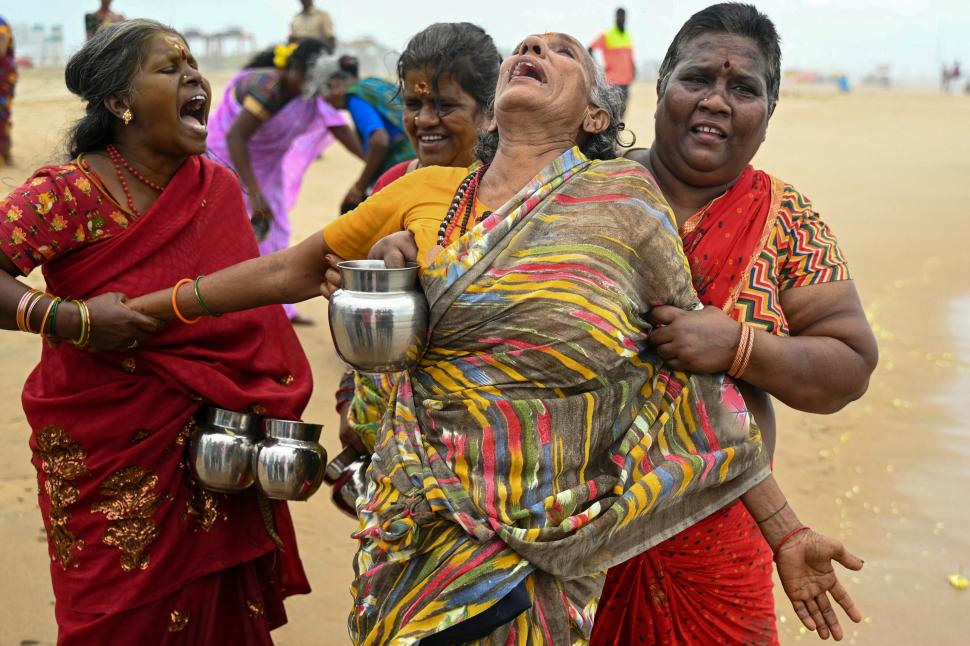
(59, 209)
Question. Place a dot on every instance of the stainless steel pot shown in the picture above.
(289, 462)
(346, 473)
(379, 317)
(221, 449)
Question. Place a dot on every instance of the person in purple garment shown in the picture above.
(269, 127)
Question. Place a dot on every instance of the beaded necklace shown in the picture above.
(464, 202)
(120, 162)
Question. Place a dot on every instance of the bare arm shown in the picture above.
(345, 135)
(237, 140)
(804, 560)
(823, 366)
(289, 276)
(114, 326)
(377, 147)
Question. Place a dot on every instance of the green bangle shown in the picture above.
(198, 297)
(52, 324)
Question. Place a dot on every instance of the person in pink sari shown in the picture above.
(269, 127)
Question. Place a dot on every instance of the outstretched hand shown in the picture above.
(805, 569)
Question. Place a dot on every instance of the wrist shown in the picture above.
(68, 321)
(777, 527)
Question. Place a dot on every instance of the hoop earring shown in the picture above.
(127, 116)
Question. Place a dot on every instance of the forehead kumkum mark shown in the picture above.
(421, 88)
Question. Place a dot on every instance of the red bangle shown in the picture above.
(788, 536)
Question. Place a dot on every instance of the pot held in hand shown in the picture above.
(289, 462)
(379, 318)
(221, 449)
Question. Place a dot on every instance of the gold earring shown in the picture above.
(127, 116)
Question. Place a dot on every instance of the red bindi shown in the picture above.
(727, 64)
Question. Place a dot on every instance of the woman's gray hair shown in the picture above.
(602, 145)
(104, 67)
(323, 69)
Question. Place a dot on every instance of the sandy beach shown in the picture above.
(889, 475)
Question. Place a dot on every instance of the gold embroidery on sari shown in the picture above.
(287, 380)
(178, 621)
(129, 502)
(200, 504)
(62, 461)
(255, 608)
(128, 365)
(140, 434)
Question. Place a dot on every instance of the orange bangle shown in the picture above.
(175, 305)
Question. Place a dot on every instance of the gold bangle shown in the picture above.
(22, 307)
(30, 311)
(744, 357)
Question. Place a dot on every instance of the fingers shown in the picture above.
(803, 614)
(394, 259)
(661, 335)
(848, 559)
(848, 605)
(820, 626)
(828, 614)
(665, 314)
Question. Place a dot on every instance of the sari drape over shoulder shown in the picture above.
(126, 522)
(540, 439)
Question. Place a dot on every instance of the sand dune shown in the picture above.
(889, 474)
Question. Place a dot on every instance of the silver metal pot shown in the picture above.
(289, 462)
(346, 473)
(221, 449)
(379, 317)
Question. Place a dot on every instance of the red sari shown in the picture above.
(711, 583)
(138, 549)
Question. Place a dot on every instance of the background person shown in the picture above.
(616, 48)
(139, 550)
(315, 23)
(103, 16)
(8, 81)
(375, 107)
(270, 126)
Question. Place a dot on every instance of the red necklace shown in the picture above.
(120, 162)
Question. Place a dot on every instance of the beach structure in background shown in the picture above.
(214, 47)
(39, 45)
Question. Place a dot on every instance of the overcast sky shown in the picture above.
(913, 36)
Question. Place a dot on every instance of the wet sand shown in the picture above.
(889, 474)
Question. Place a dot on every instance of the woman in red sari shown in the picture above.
(139, 551)
(763, 261)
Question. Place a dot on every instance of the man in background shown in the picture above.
(313, 23)
(616, 48)
(103, 16)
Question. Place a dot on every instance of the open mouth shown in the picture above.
(709, 131)
(192, 113)
(524, 68)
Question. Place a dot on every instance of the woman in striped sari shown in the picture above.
(539, 440)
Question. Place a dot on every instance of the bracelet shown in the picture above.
(53, 324)
(30, 311)
(743, 355)
(175, 305)
(85, 334)
(789, 535)
(198, 297)
(772, 514)
(51, 307)
(25, 299)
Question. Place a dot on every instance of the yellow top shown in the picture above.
(417, 202)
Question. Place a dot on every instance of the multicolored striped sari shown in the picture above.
(540, 439)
